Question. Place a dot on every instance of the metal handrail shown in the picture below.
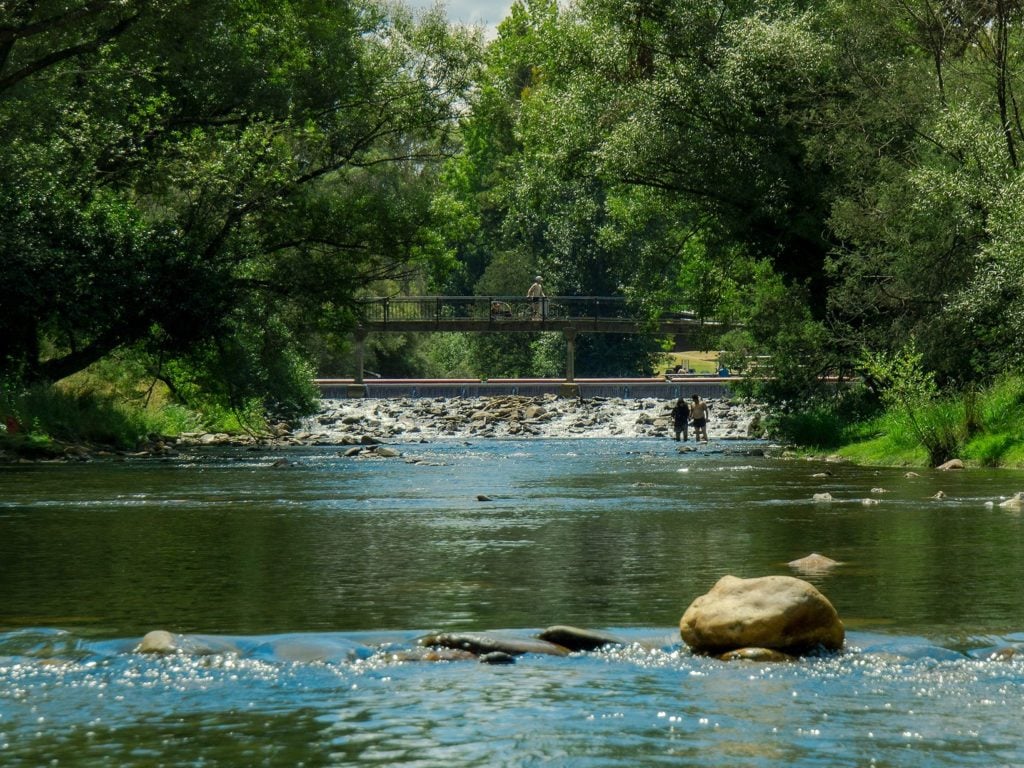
(497, 308)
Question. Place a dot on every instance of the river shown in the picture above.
(300, 582)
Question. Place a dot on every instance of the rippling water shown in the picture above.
(298, 584)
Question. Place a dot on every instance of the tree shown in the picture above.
(172, 198)
(931, 102)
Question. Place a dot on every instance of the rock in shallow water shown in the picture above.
(756, 654)
(576, 639)
(158, 641)
(777, 612)
(487, 642)
(813, 565)
(497, 657)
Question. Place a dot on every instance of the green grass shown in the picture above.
(38, 421)
(984, 428)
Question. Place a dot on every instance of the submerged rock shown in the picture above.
(432, 654)
(1015, 502)
(162, 641)
(814, 564)
(576, 639)
(488, 642)
(497, 657)
(777, 612)
(756, 654)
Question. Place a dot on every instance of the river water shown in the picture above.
(296, 586)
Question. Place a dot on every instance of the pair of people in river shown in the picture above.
(683, 412)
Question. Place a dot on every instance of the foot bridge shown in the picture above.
(569, 315)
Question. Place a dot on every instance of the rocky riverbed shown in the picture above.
(411, 419)
(371, 422)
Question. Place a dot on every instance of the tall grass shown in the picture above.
(40, 414)
(1000, 438)
(983, 427)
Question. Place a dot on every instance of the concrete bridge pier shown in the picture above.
(358, 387)
(569, 388)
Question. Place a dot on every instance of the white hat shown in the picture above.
(537, 279)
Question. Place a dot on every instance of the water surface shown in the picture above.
(305, 578)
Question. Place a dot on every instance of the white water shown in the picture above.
(412, 419)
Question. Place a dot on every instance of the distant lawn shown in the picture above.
(699, 361)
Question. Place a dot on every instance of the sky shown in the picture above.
(487, 13)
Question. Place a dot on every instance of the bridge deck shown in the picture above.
(516, 314)
(572, 315)
(706, 387)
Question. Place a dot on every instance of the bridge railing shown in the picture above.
(496, 308)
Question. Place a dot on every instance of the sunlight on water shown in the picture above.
(298, 592)
(896, 701)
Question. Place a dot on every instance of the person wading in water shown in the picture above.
(699, 412)
(680, 418)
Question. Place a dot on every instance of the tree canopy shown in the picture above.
(199, 180)
(210, 184)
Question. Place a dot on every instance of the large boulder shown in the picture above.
(778, 612)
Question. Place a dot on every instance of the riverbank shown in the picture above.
(982, 428)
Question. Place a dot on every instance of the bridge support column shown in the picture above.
(358, 387)
(570, 388)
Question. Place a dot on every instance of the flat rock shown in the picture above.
(497, 657)
(432, 654)
(576, 639)
(482, 643)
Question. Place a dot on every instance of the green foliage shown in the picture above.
(843, 414)
(446, 355)
(217, 202)
(911, 395)
(984, 426)
(252, 374)
(36, 416)
(827, 178)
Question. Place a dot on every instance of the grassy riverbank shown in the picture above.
(982, 428)
(84, 412)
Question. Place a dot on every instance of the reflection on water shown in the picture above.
(305, 577)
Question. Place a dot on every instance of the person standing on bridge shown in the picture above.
(699, 412)
(536, 295)
(680, 419)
